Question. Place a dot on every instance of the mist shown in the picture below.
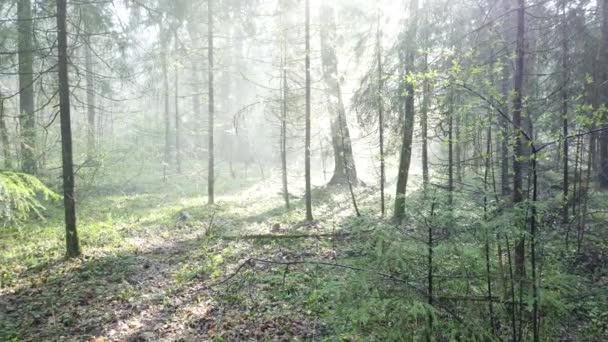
(278, 170)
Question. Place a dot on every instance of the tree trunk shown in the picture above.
(430, 268)
(603, 140)
(518, 129)
(178, 120)
(27, 118)
(6, 146)
(513, 306)
(564, 114)
(340, 135)
(409, 58)
(167, 119)
(451, 148)
(307, 117)
(506, 78)
(578, 159)
(585, 199)
(381, 116)
(211, 156)
(488, 166)
(531, 89)
(284, 95)
(197, 111)
(457, 143)
(90, 100)
(72, 244)
(593, 96)
(348, 179)
(595, 100)
(424, 120)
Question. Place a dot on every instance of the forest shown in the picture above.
(303, 170)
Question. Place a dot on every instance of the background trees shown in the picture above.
(483, 123)
(69, 195)
(26, 86)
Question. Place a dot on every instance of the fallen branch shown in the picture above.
(283, 236)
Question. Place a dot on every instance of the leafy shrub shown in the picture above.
(21, 196)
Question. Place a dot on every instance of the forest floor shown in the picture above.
(160, 265)
(163, 267)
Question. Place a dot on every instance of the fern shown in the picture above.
(21, 196)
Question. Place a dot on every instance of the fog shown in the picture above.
(129, 44)
(247, 49)
(306, 170)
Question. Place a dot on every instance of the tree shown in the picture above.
(284, 102)
(166, 116)
(564, 113)
(178, 120)
(505, 90)
(344, 164)
(308, 189)
(408, 55)
(72, 244)
(27, 118)
(6, 147)
(450, 113)
(91, 116)
(380, 114)
(426, 99)
(211, 156)
(603, 158)
(283, 143)
(519, 131)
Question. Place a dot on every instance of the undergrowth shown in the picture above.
(157, 259)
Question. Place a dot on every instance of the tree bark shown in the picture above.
(167, 119)
(487, 168)
(284, 174)
(506, 78)
(409, 58)
(211, 155)
(457, 143)
(284, 109)
(27, 117)
(451, 148)
(578, 159)
(91, 117)
(340, 135)
(178, 120)
(603, 139)
(381, 116)
(72, 244)
(6, 146)
(426, 99)
(518, 129)
(430, 267)
(595, 96)
(564, 114)
(308, 189)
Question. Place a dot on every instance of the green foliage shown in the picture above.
(21, 195)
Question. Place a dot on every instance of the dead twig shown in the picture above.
(284, 236)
